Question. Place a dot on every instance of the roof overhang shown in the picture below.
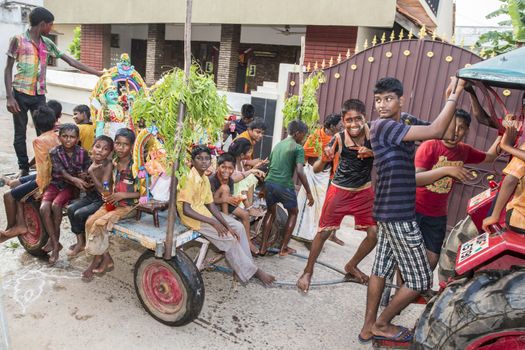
(370, 13)
(418, 12)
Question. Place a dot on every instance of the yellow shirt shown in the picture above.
(87, 136)
(196, 192)
(516, 168)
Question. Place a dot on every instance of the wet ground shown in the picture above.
(52, 308)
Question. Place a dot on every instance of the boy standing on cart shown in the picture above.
(400, 242)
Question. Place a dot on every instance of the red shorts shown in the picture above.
(339, 203)
(58, 197)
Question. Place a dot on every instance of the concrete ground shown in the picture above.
(52, 308)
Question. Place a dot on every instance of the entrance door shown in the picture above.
(138, 55)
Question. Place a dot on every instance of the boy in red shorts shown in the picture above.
(69, 163)
(350, 192)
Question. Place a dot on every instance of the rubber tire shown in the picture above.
(461, 233)
(277, 232)
(187, 274)
(31, 211)
(467, 308)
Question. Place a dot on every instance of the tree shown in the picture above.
(497, 42)
(74, 47)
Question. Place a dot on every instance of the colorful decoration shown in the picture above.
(112, 98)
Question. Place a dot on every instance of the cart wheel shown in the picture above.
(276, 234)
(36, 237)
(171, 291)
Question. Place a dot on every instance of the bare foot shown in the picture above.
(14, 231)
(253, 249)
(336, 240)
(87, 275)
(72, 247)
(353, 271)
(54, 256)
(106, 264)
(266, 279)
(49, 247)
(287, 250)
(303, 283)
(76, 250)
(263, 250)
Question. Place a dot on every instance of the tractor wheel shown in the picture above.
(171, 291)
(277, 232)
(485, 312)
(36, 237)
(461, 233)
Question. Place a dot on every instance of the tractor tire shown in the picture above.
(171, 291)
(461, 233)
(277, 232)
(36, 237)
(472, 313)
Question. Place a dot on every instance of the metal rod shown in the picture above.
(172, 209)
(301, 65)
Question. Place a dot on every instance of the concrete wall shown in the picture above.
(445, 19)
(64, 39)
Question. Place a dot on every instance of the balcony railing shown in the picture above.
(434, 5)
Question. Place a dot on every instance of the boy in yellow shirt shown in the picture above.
(82, 117)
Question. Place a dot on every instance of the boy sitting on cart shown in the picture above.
(198, 212)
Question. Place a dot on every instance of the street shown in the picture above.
(52, 308)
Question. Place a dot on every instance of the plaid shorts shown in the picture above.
(401, 243)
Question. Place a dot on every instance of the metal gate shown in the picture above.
(424, 67)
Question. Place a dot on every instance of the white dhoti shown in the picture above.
(308, 218)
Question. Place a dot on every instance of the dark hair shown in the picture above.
(127, 133)
(257, 123)
(248, 110)
(463, 114)
(83, 109)
(297, 126)
(104, 138)
(45, 119)
(226, 157)
(332, 120)
(39, 14)
(388, 84)
(55, 106)
(239, 146)
(68, 127)
(353, 104)
(198, 149)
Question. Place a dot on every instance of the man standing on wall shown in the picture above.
(26, 92)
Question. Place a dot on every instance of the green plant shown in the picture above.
(307, 109)
(500, 41)
(13, 245)
(74, 47)
(204, 118)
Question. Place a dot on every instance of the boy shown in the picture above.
(26, 92)
(197, 211)
(222, 186)
(121, 204)
(239, 126)
(82, 117)
(23, 186)
(69, 162)
(254, 134)
(79, 211)
(350, 193)
(57, 107)
(286, 158)
(512, 185)
(399, 239)
(438, 163)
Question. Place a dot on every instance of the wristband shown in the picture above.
(452, 100)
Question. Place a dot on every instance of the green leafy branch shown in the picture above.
(204, 118)
(307, 109)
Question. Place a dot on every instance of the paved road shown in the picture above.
(51, 308)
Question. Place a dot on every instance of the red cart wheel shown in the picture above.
(171, 291)
(36, 237)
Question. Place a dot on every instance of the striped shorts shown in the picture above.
(401, 244)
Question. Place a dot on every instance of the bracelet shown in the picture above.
(452, 100)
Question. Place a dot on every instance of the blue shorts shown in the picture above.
(279, 194)
(27, 185)
(433, 229)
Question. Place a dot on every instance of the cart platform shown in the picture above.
(145, 233)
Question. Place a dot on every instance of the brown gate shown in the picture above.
(424, 67)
